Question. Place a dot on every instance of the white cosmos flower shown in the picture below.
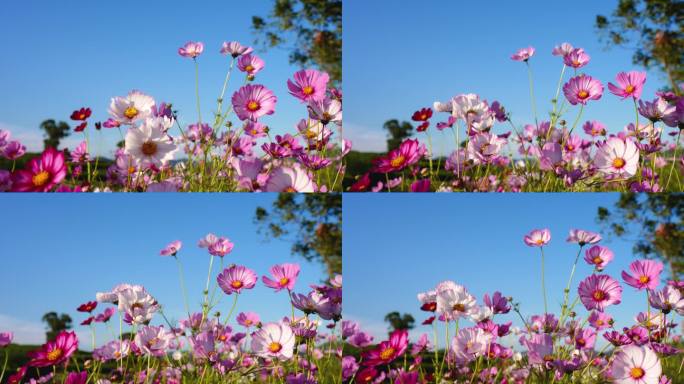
(618, 157)
(470, 343)
(148, 144)
(285, 179)
(454, 301)
(135, 106)
(137, 305)
(468, 106)
(274, 340)
(636, 365)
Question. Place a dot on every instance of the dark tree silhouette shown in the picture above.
(54, 132)
(656, 30)
(397, 132)
(312, 222)
(400, 322)
(56, 323)
(315, 27)
(656, 220)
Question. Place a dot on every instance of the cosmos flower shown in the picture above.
(594, 128)
(599, 291)
(387, 351)
(645, 274)
(454, 301)
(562, 50)
(655, 110)
(409, 152)
(251, 102)
(105, 315)
(537, 238)
(171, 249)
(191, 49)
(55, 352)
(149, 145)
(134, 107)
(221, 247)
(6, 338)
(470, 343)
(153, 341)
(250, 64)
(236, 278)
(137, 305)
(273, 341)
(636, 365)
(539, 348)
(76, 378)
(87, 307)
(290, 179)
(629, 84)
(667, 300)
(600, 320)
(248, 319)
(598, 256)
(326, 111)
(585, 339)
(583, 237)
(13, 150)
(235, 49)
(41, 173)
(523, 54)
(498, 303)
(308, 85)
(576, 58)
(284, 276)
(581, 88)
(618, 157)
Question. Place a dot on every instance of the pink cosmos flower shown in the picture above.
(191, 49)
(582, 237)
(360, 339)
(645, 274)
(598, 256)
(235, 49)
(6, 338)
(236, 278)
(221, 247)
(470, 343)
(55, 352)
(248, 319)
(309, 84)
(599, 291)
(13, 150)
(562, 50)
(539, 348)
(105, 315)
(630, 84)
(207, 241)
(409, 152)
(250, 102)
(286, 179)
(636, 365)
(667, 300)
(618, 157)
(655, 110)
(274, 341)
(537, 238)
(576, 58)
(250, 64)
(42, 173)
(600, 320)
(581, 88)
(523, 54)
(594, 128)
(284, 277)
(76, 378)
(387, 351)
(585, 339)
(80, 153)
(326, 111)
(171, 249)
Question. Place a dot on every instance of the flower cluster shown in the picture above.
(232, 151)
(549, 154)
(564, 347)
(203, 347)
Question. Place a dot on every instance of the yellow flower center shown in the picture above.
(275, 347)
(576, 63)
(387, 353)
(583, 94)
(55, 354)
(248, 322)
(599, 295)
(149, 148)
(253, 106)
(540, 241)
(599, 322)
(131, 170)
(131, 112)
(597, 260)
(249, 68)
(618, 162)
(40, 179)
(644, 279)
(284, 280)
(398, 161)
(629, 89)
(236, 284)
(307, 90)
(637, 373)
(458, 307)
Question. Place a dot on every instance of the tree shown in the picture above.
(54, 132)
(312, 222)
(657, 220)
(397, 132)
(657, 29)
(316, 26)
(56, 323)
(400, 322)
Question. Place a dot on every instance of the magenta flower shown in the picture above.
(250, 102)
(55, 352)
(250, 64)
(13, 150)
(76, 378)
(594, 128)
(598, 256)
(87, 307)
(599, 291)
(409, 152)
(284, 277)
(498, 303)
(537, 238)
(582, 237)
(235, 49)
(308, 84)
(600, 320)
(539, 348)
(191, 49)
(576, 58)
(581, 88)
(655, 110)
(387, 351)
(248, 319)
(6, 338)
(236, 278)
(630, 84)
(523, 54)
(645, 274)
(105, 316)
(171, 249)
(585, 338)
(41, 173)
(221, 247)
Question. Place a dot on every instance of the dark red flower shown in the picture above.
(362, 184)
(422, 114)
(429, 307)
(429, 320)
(18, 376)
(88, 320)
(423, 127)
(87, 307)
(81, 126)
(81, 114)
(367, 375)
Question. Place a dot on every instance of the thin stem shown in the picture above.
(232, 308)
(182, 284)
(542, 280)
(205, 304)
(199, 113)
(674, 159)
(4, 366)
(579, 115)
(534, 103)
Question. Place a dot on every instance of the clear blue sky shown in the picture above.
(62, 56)
(398, 59)
(396, 246)
(58, 252)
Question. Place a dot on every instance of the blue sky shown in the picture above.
(398, 59)
(58, 252)
(63, 57)
(396, 246)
